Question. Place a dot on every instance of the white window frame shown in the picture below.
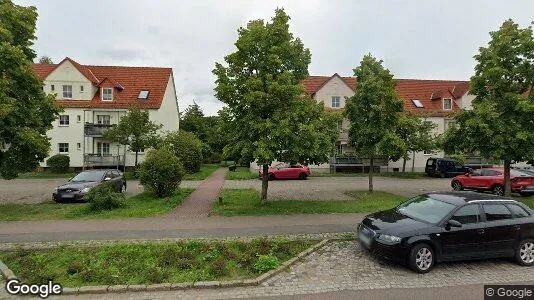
(59, 147)
(64, 117)
(100, 119)
(418, 103)
(67, 91)
(338, 101)
(103, 89)
(100, 148)
(445, 100)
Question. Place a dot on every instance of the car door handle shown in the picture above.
(480, 231)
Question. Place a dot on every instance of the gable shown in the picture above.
(66, 72)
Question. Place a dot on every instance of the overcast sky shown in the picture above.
(416, 38)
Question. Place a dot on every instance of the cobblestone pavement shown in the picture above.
(343, 265)
(40, 190)
(334, 188)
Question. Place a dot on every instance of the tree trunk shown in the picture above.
(403, 164)
(264, 183)
(413, 161)
(371, 169)
(507, 183)
(135, 165)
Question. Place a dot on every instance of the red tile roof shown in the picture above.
(429, 92)
(126, 81)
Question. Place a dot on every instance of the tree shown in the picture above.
(134, 130)
(26, 112)
(500, 125)
(193, 121)
(268, 115)
(374, 112)
(187, 147)
(45, 60)
(417, 136)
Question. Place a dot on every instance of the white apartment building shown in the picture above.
(94, 98)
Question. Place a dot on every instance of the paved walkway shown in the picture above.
(200, 202)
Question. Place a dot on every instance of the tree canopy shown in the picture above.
(26, 112)
(500, 125)
(417, 135)
(268, 115)
(373, 112)
(45, 60)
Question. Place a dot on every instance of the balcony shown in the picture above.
(101, 160)
(95, 129)
(347, 161)
(476, 162)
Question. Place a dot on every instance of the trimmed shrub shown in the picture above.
(161, 172)
(104, 197)
(186, 146)
(266, 263)
(58, 163)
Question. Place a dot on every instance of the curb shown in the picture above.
(6, 272)
(193, 285)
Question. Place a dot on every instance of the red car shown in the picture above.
(492, 179)
(284, 171)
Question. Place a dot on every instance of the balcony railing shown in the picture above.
(481, 162)
(356, 161)
(92, 159)
(95, 129)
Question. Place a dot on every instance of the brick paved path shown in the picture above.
(200, 202)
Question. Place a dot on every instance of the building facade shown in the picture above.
(94, 98)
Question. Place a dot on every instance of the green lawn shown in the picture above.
(407, 175)
(142, 205)
(205, 171)
(152, 263)
(238, 202)
(241, 173)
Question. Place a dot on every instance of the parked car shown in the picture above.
(492, 179)
(440, 227)
(444, 167)
(285, 171)
(76, 188)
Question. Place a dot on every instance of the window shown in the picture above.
(102, 148)
(426, 209)
(488, 172)
(64, 120)
(143, 94)
(447, 104)
(417, 103)
(427, 152)
(63, 147)
(78, 118)
(81, 88)
(103, 119)
(518, 211)
(52, 88)
(449, 123)
(67, 91)
(467, 215)
(476, 172)
(107, 94)
(496, 212)
(335, 101)
(79, 146)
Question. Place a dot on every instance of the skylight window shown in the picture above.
(143, 94)
(417, 103)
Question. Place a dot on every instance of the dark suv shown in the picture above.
(76, 188)
(444, 167)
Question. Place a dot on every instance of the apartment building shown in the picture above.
(94, 98)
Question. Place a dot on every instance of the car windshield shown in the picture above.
(425, 209)
(88, 176)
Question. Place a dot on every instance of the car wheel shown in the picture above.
(421, 258)
(457, 186)
(525, 253)
(123, 188)
(302, 176)
(498, 190)
(271, 177)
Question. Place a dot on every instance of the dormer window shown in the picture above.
(67, 91)
(143, 94)
(417, 103)
(107, 94)
(447, 104)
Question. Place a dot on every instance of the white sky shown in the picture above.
(427, 39)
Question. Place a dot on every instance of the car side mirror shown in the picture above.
(107, 178)
(468, 174)
(454, 223)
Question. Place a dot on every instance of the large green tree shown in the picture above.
(135, 130)
(26, 112)
(374, 112)
(192, 120)
(416, 132)
(501, 124)
(268, 115)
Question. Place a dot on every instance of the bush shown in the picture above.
(227, 163)
(58, 163)
(104, 197)
(266, 263)
(161, 172)
(186, 146)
